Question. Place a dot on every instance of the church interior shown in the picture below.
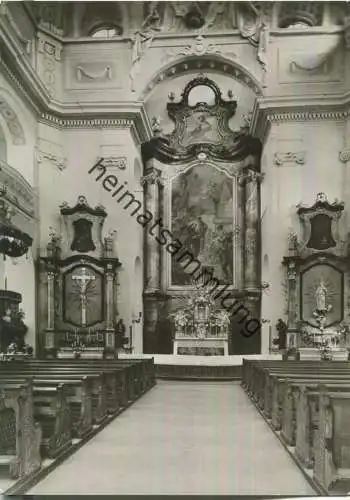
(175, 247)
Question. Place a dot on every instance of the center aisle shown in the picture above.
(182, 437)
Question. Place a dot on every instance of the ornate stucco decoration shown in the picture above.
(320, 226)
(52, 153)
(201, 128)
(289, 157)
(84, 74)
(152, 176)
(49, 47)
(206, 62)
(119, 162)
(13, 124)
(59, 162)
(344, 155)
(4, 11)
(198, 47)
(50, 50)
(313, 63)
(15, 189)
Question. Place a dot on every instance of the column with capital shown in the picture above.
(49, 337)
(151, 183)
(251, 237)
(110, 331)
(292, 305)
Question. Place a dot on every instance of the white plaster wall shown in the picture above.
(83, 148)
(289, 184)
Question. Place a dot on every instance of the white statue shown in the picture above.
(320, 296)
(215, 9)
(253, 24)
(144, 38)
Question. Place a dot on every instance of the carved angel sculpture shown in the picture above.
(215, 9)
(253, 25)
(143, 38)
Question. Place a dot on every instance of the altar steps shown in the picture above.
(173, 367)
(198, 372)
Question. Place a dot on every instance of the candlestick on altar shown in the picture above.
(5, 283)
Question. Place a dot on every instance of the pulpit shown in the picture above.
(200, 328)
(78, 286)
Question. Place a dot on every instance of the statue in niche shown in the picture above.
(321, 233)
(82, 241)
(320, 296)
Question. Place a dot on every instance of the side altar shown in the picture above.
(200, 329)
(318, 278)
(77, 287)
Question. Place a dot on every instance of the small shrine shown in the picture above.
(200, 328)
(317, 275)
(77, 285)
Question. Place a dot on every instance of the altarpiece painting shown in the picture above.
(202, 214)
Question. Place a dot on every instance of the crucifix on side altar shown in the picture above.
(83, 279)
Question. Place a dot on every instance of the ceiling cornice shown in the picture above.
(268, 110)
(16, 68)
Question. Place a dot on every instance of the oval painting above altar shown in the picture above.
(202, 219)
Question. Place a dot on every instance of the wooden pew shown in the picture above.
(51, 410)
(97, 380)
(77, 393)
(290, 405)
(111, 387)
(297, 391)
(139, 373)
(20, 435)
(332, 449)
(279, 385)
(307, 418)
(264, 393)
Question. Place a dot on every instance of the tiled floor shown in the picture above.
(182, 437)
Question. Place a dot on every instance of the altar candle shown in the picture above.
(130, 328)
(5, 283)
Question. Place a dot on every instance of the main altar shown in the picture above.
(201, 329)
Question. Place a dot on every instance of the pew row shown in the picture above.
(20, 434)
(290, 395)
(66, 399)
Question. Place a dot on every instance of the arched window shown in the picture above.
(106, 31)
